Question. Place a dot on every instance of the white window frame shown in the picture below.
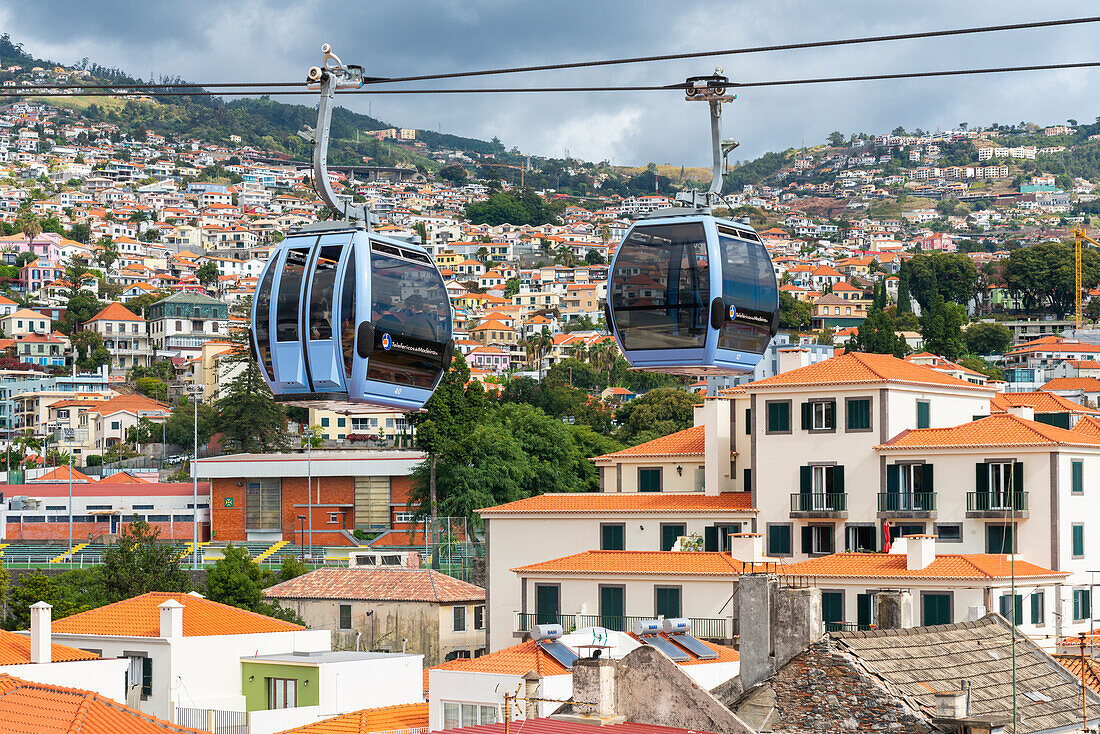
(819, 416)
(1000, 482)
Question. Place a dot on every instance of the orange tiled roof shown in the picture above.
(1089, 384)
(979, 566)
(16, 650)
(48, 709)
(116, 312)
(389, 584)
(860, 368)
(365, 721)
(1088, 425)
(629, 563)
(997, 430)
(1041, 402)
(626, 503)
(1087, 670)
(61, 474)
(515, 660)
(140, 617)
(688, 442)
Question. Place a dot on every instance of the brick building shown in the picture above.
(260, 497)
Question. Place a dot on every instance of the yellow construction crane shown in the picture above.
(1079, 240)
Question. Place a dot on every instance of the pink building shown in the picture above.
(938, 241)
(492, 359)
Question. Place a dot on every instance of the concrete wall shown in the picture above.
(488, 689)
(106, 677)
(622, 475)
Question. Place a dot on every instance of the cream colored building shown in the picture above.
(335, 426)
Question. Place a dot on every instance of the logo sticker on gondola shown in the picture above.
(386, 342)
(733, 313)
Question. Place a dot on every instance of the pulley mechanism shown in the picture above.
(712, 89)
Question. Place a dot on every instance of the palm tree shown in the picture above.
(421, 231)
(537, 345)
(30, 228)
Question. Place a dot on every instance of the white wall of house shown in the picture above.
(488, 689)
(106, 676)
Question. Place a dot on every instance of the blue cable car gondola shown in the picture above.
(343, 316)
(691, 293)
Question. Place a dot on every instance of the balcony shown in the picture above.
(907, 504)
(847, 627)
(819, 505)
(706, 628)
(997, 504)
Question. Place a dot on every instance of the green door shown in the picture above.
(547, 605)
(863, 611)
(613, 608)
(667, 602)
(832, 609)
(935, 609)
(669, 534)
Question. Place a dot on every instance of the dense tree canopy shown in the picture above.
(988, 338)
(657, 413)
(517, 208)
(941, 329)
(878, 334)
(1043, 275)
(952, 277)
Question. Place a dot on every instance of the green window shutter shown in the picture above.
(807, 540)
(863, 610)
(1003, 606)
(748, 421)
(830, 414)
(859, 415)
(832, 606)
(838, 480)
(667, 603)
(1078, 540)
(893, 478)
(805, 476)
(779, 539)
(807, 416)
(1078, 476)
(669, 534)
(926, 478)
(612, 537)
(710, 539)
(981, 477)
(1018, 477)
(923, 417)
(748, 480)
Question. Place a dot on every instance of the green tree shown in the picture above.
(941, 329)
(291, 568)
(978, 364)
(208, 274)
(988, 338)
(904, 299)
(249, 419)
(878, 335)
(593, 257)
(454, 174)
(836, 138)
(793, 313)
(235, 579)
(657, 413)
(179, 429)
(33, 587)
(139, 563)
(523, 207)
(950, 276)
(1043, 275)
(511, 287)
(152, 387)
(91, 351)
(108, 256)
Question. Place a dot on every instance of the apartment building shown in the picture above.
(181, 323)
(124, 335)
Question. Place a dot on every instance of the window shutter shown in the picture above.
(710, 539)
(748, 421)
(1078, 476)
(748, 481)
(981, 477)
(838, 480)
(926, 478)
(830, 414)
(1018, 477)
(807, 419)
(807, 540)
(805, 475)
(893, 478)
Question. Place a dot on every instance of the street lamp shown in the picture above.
(196, 392)
(69, 435)
(308, 434)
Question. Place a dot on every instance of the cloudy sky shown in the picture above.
(256, 40)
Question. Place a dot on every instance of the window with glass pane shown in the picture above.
(859, 414)
(288, 305)
(347, 316)
(1000, 486)
(282, 693)
(452, 715)
(748, 284)
(488, 715)
(263, 504)
(824, 415)
(469, 714)
(1013, 612)
(345, 616)
(1082, 604)
(263, 334)
(323, 291)
(1038, 604)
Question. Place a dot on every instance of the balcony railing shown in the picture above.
(906, 501)
(708, 628)
(996, 501)
(815, 502)
(847, 627)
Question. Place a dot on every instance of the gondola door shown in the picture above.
(286, 315)
(320, 327)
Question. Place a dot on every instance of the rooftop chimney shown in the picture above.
(893, 610)
(41, 632)
(951, 705)
(171, 619)
(1027, 412)
(920, 552)
(747, 547)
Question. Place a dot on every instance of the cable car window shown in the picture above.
(748, 283)
(288, 303)
(324, 286)
(347, 316)
(661, 291)
(411, 322)
(263, 308)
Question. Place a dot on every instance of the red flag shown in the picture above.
(886, 536)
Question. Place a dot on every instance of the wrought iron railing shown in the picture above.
(996, 501)
(819, 502)
(709, 628)
(906, 501)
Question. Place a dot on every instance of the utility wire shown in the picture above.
(748, 50)
(6, 91)
(613, 62)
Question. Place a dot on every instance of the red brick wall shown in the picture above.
(59, 531)
(229, 522)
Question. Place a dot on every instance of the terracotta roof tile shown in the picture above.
(365, 721)
(388, 584)
(997, 430)
(116, 312)
(982, 566)
(1089, 384)
(861, 368)
(48, 709)
(626, 503)
(1041, 402)
(1089, 425)
(515, 660)
(688, 442)
(1089, 670)
(140, 617)
(16, 650)
(663, 563)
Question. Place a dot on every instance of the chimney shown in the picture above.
(531, 683)
(893, 610)
(171, 619)
(951, 705)
(1027, 412)
(920, 552)
(777, 623)
(594, 683)
(976, 613)
(747, 547)
(41, 632)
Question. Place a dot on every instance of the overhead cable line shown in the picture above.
(5, 91)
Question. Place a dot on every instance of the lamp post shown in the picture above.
(308, 434)
(196, 392)
(302, 538)
(69, 435)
